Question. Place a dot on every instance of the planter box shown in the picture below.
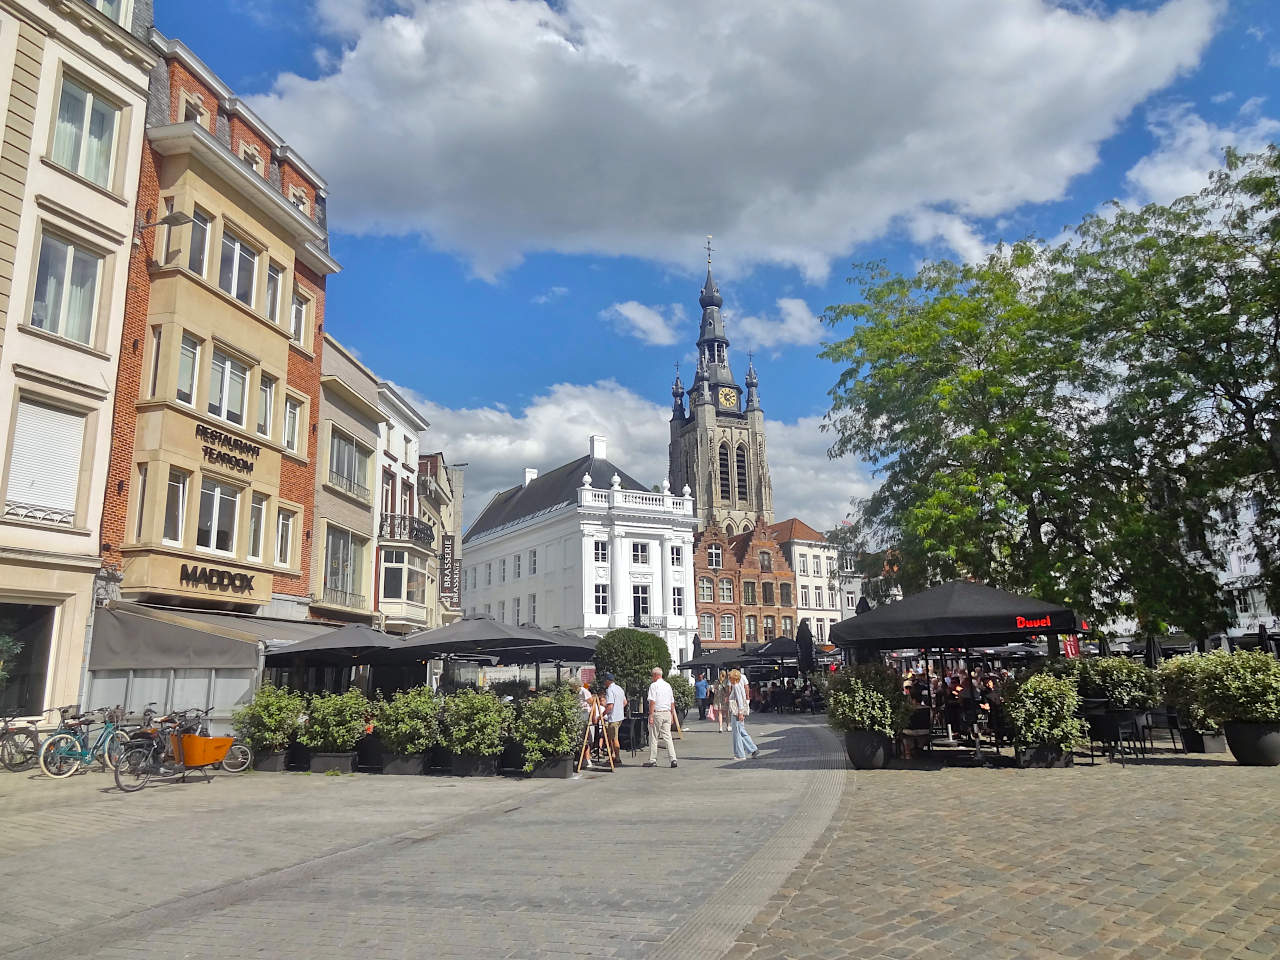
(512, 757)
(439, 758)
(561, 769)
(1044, 758)
(1197, 742)
(1254, 744)
(474, 766)
(867, 749)
(297, 757)
(399, 766)
(269, 761)
(344, 762)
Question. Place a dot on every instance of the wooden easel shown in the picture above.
(584, 755)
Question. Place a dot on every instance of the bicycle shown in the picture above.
(173, 747)
(239, 757)
(19, 743)
(64, 753)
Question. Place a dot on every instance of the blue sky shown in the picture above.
(519, 192)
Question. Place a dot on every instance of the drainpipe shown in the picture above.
(106, 589)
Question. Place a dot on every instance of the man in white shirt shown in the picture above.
(615, 711)
(662, 714)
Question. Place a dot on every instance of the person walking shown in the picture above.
(700, 689)
(662, 714)
(739, 710)
(615, 710)
(722, 700)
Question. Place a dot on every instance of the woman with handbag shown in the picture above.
(739, 710)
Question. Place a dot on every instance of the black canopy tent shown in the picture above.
(355, 641)
(717, 659)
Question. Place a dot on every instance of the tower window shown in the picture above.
(742, 471)
(726, 490)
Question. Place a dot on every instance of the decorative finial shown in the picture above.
(686, 491)
(666, 486)
(709, 248)
(586, 480)
(615, 482)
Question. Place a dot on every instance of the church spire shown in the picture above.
(713, 343)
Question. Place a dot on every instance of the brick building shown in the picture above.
(744, 587)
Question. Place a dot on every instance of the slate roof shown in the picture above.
(549, 490)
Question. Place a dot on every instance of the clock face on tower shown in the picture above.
(728, 397)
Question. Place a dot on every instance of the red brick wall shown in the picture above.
(290, 177)
(298, 481)
(181, 80)
(242, 133)
(740, 558)
(137, 301)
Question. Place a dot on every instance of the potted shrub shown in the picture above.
(867, 706)
(549, 731)
(269, 723)
(683, 691)
(1125, 684)
(1181, 680)
(630, 655)
(1241, 692)
(1042, 712)
(408, 725)
(335, 722)
(475, 723)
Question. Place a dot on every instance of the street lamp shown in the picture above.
(174, 219)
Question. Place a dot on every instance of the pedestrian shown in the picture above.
(722, 700)
(615, 710)
(700, 691)
(585, 700)
(662, 714)
(739, 710)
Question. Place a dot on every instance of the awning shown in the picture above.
(131, 637)
(271, 631)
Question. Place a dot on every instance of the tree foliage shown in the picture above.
(630, 655)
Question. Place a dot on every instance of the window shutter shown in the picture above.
(44, 462)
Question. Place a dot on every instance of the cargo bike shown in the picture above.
(170, 747)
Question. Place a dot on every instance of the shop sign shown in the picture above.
(1024, 623)
(225, 450)
(215, 579)
(1070, 647)
(450, 570)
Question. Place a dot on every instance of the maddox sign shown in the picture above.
(193, 575)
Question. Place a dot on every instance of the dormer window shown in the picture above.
(194, 110)
(114, 9)
(252, 157)
(298, 197)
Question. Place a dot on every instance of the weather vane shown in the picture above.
(708, 249)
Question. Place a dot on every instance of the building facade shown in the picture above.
(717, 443)
(815, 564)
(585, 548)
(745, 588)
(407, 543)
(214, 453)
(74, 79)
(440, 491)
(346, 512)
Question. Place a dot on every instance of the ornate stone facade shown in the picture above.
(744, 586)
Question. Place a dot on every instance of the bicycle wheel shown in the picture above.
(18, 750)
(238, 757)
(113, 748)
(133, 769)
(60, 756)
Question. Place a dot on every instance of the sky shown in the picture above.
(520, 190)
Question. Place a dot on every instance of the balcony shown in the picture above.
(646, 622)
(342, 598)
(347, 485)
(401, 526)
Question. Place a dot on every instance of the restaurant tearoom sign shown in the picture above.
(224, 450)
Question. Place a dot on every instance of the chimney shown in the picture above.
(598, 447)
(530, 474)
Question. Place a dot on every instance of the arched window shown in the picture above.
(726, 489)
(742, 471)
(766, 562)
(726, 628)
(746, 526)
(726, 590)
(704, 590)
(729, 528)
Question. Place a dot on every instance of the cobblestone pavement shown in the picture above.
(657, 863)
(1176, 857)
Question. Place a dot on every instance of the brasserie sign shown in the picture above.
(193, 575)
(450, 587)
(225, 450)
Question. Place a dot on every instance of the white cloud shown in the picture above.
(553, 293)
(1222, 97)
(649, 324)
(927, 226)
(552, 429)
(792, 132)
(795, 325)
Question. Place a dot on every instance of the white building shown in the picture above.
(813, 560)
(408, 545)
(585, 548)
(1240, 595)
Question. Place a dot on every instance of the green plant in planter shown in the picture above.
(548, 727)
(683, 690)
(475, 723)
(1042, 711)
(1181, 681)
(630, 655)
(270, 721)
(516, 689)
(1125, 684)
(335, 721)
(1240, 687)
(878, 678)
(409, 723)
(855, 707)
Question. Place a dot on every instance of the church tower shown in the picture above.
(717, 441)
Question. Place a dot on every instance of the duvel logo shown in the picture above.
(1024, 623)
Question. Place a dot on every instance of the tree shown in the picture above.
(630, 655)
(10, 647)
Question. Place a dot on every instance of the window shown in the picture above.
(515, 610)
(714, 556)
(66, 289)
(298, 319)
(393, 564)
(488, 610)
(292, 418)
(239, 267)
(502, 570)
(726, 591)
(640, 601)
(44, 463)
(344, 563)
(602, 598)
(284, 536)
(219, 503)
(766, 562)
(533, 609)
(726, 628)
(252, 157)
(784, 594)
(749, 627)
(846, 563)
(786, 626)
(802, 564)
(153, 382)
(533, 562)
(704, 590)
(831, 566)
(602, 551)
(274, 276)
(677, 556)
(488, 574)
(817, 598)
(677, 601)
(804, 595)
(114, 9)
(502, 611)
(388, 492)
(142, 499)
(473, 578)
(257, 521)
(199, 254)
(741, 473)
(348, 465)
(266, 401)
(707, 625)
(850, 600)
(298, 197)
(766, 593)
(175, 506)
(228, 381)
(85, 133)
(515, 568)
(408, 449)
(822, 630)
(726, 483)
(640, 552)
(769, 631)
(749, 592)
